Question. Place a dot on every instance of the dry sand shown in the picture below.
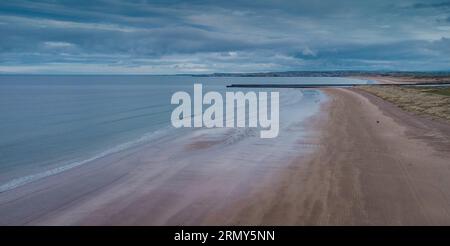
(379, 166)
(369, 163)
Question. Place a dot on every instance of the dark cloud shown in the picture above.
(222, 36)
(432, 5)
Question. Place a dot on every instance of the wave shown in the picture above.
(18, 182)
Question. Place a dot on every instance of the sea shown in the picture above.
(53, 123)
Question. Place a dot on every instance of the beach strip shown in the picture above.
(364, 162)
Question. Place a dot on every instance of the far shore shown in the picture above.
(365, 161)
(403, 79)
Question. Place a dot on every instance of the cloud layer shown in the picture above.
(167, 37)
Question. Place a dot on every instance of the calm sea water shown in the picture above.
(48, 122)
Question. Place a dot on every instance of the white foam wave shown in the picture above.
(18, 182)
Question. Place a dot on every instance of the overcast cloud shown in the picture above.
(168, 37)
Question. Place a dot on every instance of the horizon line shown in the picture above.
(230, 73)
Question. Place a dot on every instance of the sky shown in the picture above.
(177, 37)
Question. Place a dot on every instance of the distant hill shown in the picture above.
(330, 74)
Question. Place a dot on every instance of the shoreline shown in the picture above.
(174, 182)
(375, 165)
(363, 162)
(56, 169)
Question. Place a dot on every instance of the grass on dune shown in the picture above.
(441, 91)
(431, 101)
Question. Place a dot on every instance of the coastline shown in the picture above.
(364, 161)
(178, 180)
(375, 165)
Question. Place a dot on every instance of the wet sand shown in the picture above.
(363, 162)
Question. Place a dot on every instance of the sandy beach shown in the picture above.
(380, 165)
(363, 162)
